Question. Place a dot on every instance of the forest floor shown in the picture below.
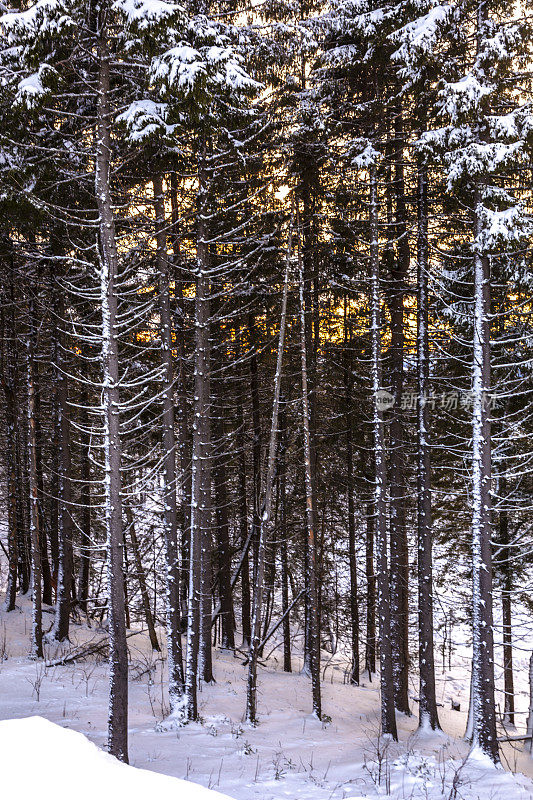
(289, 755)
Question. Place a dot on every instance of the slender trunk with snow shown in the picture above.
(370, 575)
(388, 716)
(181, 412)
(287, 667)
(399, 556)
(200, 479)
(257, 445)
(352, 555)
(60, 630)
(7, 379)
(529, 731)
(173, 615)
(246, 619)
(312, 599)
(118, 654)
(37, 621)
(428, 717)
(85, 519)
(222, 500)
(507, 629)
(483, 704)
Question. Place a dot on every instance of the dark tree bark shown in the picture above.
(60, 630)
(483, 732)
(256, 442)
(24, 546)
(85, 519)
(118, 655)
(53, 528)
(8, 380)
(399, 559)
(370, 572)
(37, 622)
(388, 717)
(198, 633)
(483, 710)
(173, 615)
(182, 411)
(507, 589)
(283, 535)
(246, 620)
(311, 587)
(352, 556)
(312, 341)
(428, 717)
(206, 596)
(224, 552)
(45, 563)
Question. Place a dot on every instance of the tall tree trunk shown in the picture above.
(8, 380)
(256, 443)
(370, 572)
(312, 608)
(223, 541)
(11, 589)
(37, 622)
(284, 555)
(85, 518)
(388, 717)
(60, 630)
(173, 615)
(399, 559)
(206, 594)
(200, 488)
(53, 528)
(428, 717)
(118, 654)
(184, 437)
(24, 546)
(205, 507)
(246, 620)
(312, 342)
(483, 706)
(529, 728)
(483, 710)
(507, 589)
(45, 563)
(352, 556)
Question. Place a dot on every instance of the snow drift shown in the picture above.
(37, 758)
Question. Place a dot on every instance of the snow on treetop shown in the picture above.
(502, 226)
(45, 15)
(146, 12)
(144, 117)
(30, 88)
(367, 158)
(59, 754)
(420, 36)
(182, 66)
(463, 96)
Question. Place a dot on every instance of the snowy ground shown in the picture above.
(65, 758)
(289, 755)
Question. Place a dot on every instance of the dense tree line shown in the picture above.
(265, 330)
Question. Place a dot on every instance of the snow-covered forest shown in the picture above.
(266, 316)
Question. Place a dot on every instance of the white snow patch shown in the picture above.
(61, 757)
